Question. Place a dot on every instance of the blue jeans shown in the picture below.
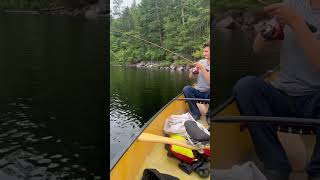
(190, 92)
(257, 98)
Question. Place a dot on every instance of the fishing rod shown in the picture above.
(144, 40)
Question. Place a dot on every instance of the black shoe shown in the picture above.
(276, 175)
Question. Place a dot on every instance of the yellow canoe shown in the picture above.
(130, 163)
(231, 142)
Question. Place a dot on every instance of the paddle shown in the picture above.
(160, 139)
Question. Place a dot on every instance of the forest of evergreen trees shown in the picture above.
(179, 25)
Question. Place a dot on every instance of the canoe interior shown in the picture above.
(231, 144)
(141, 155)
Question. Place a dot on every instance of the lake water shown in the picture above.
(52, 98)
(136, 94)
(233, 58)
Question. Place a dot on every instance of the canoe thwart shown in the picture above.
(267, 119)
(194, 99)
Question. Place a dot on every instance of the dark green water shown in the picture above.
(135, 96)
(52, 98)
(233, 58)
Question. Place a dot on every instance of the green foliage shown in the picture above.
(179, 25)
(181, 62)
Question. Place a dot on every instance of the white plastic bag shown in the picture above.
(175, 124)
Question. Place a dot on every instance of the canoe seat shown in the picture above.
(295, 129)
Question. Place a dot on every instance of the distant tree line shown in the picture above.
(179, 25)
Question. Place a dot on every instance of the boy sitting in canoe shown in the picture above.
(295, 92)
(202, 89)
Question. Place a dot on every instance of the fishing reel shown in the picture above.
(273, 30)
(195, 70)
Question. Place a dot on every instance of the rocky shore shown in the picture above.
(247, 20)
(167, 66)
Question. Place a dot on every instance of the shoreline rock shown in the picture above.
(152, 65)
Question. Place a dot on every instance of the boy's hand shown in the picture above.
(199, 66)
(283, 13)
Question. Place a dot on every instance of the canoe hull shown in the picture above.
(130, 163)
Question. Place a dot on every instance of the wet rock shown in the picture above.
(181, 68)
(172, 67)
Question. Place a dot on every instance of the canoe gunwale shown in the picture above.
(222, 106)
(267, 119)
(119, 155)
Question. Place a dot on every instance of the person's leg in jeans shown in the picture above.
(257, 98)
(190, 92)
(311, 109)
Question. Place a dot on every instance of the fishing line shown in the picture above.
(124, 33)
